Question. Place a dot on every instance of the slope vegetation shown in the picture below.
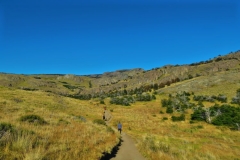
(172, 112)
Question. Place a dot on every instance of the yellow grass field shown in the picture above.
(158, 139)
(71, 134)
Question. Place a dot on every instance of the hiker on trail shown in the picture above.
(119, 127)
(103, 115)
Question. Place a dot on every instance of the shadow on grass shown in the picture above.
(108, 156)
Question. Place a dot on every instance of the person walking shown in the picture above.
(119, 127)
(104, 115)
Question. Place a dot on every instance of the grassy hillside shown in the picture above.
(65, 129)
(158, 137)
(59, 116)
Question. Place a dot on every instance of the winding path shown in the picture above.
(126, 150)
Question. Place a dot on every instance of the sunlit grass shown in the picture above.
(68, 134)
(71, 134)
(163, 139)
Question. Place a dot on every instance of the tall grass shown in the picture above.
(69, 131)
(38, 131)
(164, 139)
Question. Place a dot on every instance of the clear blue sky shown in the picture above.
(96, 36)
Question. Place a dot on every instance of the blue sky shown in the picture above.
(93, 37)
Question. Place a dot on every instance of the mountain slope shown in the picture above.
(125, 79)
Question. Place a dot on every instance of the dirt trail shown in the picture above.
(126, 150)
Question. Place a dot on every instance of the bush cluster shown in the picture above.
(70, 86)
(99, 121)
(81, 96)
(5, 127)
(144, 97)
(220, 98)
(179, 103)
(122, 100)
(236, 100)
(178, 118)
(33, 119)
(139, 92)
(229, 116)
(224, 115)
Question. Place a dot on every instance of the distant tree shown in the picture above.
(218, 59)
(236, 100)
(166, 102)
(168, 83)
(177, 80)
(102, 102)
(143, 97)
(198, 75)
(238, 92)
(131, 92)
(190, 76)
(125, 92)
(153, 96)
(161, 85)
(169, 109)
(229, 116)
(222, 98)
(198, 115)
(90, 84)
(155, 87)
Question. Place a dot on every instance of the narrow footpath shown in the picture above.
(126, 150)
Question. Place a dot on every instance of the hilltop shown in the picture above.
(223, 68)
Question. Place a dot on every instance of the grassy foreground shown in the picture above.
(40, 125)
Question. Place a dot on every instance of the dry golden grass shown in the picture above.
(66, 136)
(158, 139)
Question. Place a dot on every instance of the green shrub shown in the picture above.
(122, 100)
(99, 121)
(166, 102)
(169, 110)
(33, 119)
(109, 129)
(62, 121)
(180, 118)
(191, 122)
(70, 86)
(199, 127)
(198, 115)
(165, 118)
(102, 102)
(230, 116)
(4, 127)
